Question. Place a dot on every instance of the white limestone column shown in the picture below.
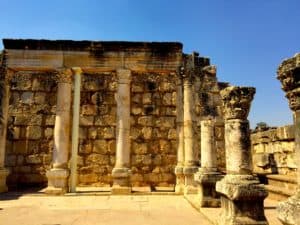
(4, 103)
(179, 188)
(288, 74)
(58, 175)
(190, 154)
(75, 128)
(237, 139)
(208, 148)
(207, 175)
(121, 172)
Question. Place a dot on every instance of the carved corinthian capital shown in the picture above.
(64, 75)
(289, 75)
(237, 101)
(124, 76)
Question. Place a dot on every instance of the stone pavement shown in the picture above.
(94, 210)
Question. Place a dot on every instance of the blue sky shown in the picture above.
(246, 40)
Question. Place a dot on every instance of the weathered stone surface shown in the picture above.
(33, 159)
(86, 120)
(277, 147)
(34, 132)
(100, 146)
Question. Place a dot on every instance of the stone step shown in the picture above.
(278, 193)
(284, 181)
(280, 187)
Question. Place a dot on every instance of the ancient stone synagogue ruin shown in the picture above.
(131, 116)
(133, 113)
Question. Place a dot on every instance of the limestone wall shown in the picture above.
(97, 133)
(30, 126)
(153, 129)
(273, 150)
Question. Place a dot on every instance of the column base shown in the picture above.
(121, 181)
(289, 210)
(57, 181)
(3, 175)
(179, 188)
(242, 200)
(207, 195)
(190, 186)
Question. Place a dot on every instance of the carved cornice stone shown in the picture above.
(289, 75)
(237, 101)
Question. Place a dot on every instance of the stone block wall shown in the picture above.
(153, 129)
(273, 150)
(97, 133)
(32, 107)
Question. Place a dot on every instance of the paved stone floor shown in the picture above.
(39, 209)
(108, 210)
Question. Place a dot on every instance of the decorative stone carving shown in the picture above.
(236, 102)
(121, 172)
(242, 195)
(64, 75)
(289, 76)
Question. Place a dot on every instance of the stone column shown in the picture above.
(289, 76)
(179, 188)
(190, 153)
(207, 176)
(59, 173)
(4, 103)
(121, 172)
(242, 195)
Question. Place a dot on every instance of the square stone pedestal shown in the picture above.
(190, 186)
(121, 179)
(208, 197)
(57, 181)
(242, 200)
(179, 188)
(3, 175)
(289, 210)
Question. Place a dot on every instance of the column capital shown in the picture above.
(210, 70)
(76, 70)
(288, 74)
(64, 75)
(124, 75)
(207, 122)
(236, 101)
